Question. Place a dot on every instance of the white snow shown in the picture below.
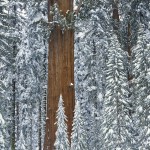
(100, 96)
(71, 84)
(1, 120)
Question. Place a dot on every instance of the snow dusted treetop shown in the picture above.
(1, 120)
(62, 142)
(2, 147)
(21, 143)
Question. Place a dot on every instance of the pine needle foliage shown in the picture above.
(62, 142)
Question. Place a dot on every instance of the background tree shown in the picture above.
(78, 137)
(2, 133)
(116, 99)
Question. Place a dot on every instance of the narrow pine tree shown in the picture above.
(78, 136)
(21, 143)
(116, 98)
(7, 57)
(2, 141)
(141, 86)
(61, 142)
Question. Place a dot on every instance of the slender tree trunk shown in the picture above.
(40, 126)
(44, 98)
(60, 74)
(13, 139)
(15, 105)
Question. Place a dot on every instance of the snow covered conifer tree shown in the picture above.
(78, 136)
(116, 98)
(62, 142)
(30, 61)
(141, 84)
(2, 145)
(90, 62)
(21, 144)
(7, 59)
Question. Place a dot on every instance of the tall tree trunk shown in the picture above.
(15, 104)
(39, 127)
(60, 74)
(13, 136)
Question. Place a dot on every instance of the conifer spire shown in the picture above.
(62, 142)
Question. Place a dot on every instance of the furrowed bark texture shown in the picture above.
(60, 74)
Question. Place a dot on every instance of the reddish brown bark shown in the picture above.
(60, 75)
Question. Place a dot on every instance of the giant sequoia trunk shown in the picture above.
(60, 74)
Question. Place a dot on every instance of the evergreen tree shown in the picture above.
(141, 86)
(31, 74)
(116, 98)
(21, 143)
(78, 137)
(2, 139)
(61, 142)
(7, 59)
